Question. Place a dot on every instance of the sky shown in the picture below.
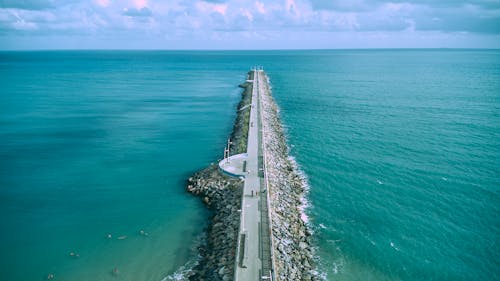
(248, 24)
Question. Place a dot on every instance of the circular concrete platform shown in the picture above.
(235, 165)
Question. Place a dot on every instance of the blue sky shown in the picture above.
(248, 24)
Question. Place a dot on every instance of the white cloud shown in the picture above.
(206, 7)
(246, 13)
(209, 20)
(139, 4)
(102, 3)
(260, 7)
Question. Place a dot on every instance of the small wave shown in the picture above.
(182, 274)
(379, 181)
(185, 271)
(322, 226)
(304, 217)
(443, 178)
(319, 271)
(304, 203)
(334, 241)
(321, 275)
(335, 268)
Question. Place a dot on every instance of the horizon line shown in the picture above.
(236, 50)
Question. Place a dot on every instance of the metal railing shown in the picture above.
(272, 272)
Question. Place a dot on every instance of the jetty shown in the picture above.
(257, 231)
(254, 259)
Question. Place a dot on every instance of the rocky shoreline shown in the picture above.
(222, 194)
(291, 237)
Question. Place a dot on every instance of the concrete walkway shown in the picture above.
(248, 261)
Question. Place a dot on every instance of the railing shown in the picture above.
(272, 273)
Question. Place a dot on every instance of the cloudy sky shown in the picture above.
(248, 24)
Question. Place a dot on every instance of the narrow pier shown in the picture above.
(257, 231)
(273, 241)
(254, 248)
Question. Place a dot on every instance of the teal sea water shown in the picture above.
(401, 149)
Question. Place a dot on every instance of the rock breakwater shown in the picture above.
(222, 195)
(291, 237)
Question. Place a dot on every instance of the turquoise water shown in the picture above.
(401, 150)
(97, 143)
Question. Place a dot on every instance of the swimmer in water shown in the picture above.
(115, 271)
(109, 236)
(74, 255)
(50, 276)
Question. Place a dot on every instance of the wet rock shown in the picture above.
(291, 236)
(222, 195)
(287, 187)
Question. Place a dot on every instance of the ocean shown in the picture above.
(401, 150)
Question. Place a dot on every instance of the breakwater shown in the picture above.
(291, 240)
(222, 195)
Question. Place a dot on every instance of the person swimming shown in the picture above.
(115, 271)
(74, 255)
(50, 276)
